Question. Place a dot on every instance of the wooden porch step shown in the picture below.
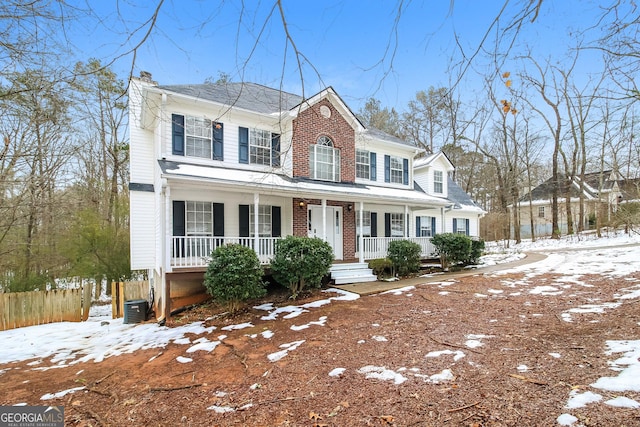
(352, 273)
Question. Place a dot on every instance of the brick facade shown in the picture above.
(307, 128)
(310, 125)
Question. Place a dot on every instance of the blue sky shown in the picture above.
(351, 43)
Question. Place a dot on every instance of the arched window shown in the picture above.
(324, 160)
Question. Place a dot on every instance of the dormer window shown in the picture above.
(324, 160)
(437, 182)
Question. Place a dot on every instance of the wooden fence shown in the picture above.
(18, 309)
(126, 291)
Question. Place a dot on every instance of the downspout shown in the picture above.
(161, 148)
(406, 216)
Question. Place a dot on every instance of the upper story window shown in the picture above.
(324, 160)
(396, 170)
(196, 137)
(258, 147)
(437, 182)
(366, 165)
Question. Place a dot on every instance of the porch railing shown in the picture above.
(377, 247)
(196, 251)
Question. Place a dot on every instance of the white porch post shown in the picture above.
(361, 236)
(406, 217)
(256, 224)
(167, 239)
(324, 219)
(442, 226)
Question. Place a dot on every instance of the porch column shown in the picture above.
(256, 224)
(406, 218)
(324, 219)
(166, 241)
(361, 236)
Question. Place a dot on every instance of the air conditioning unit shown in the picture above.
(135, 311)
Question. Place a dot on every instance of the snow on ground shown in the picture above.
(101, 337)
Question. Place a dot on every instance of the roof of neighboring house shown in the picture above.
(594, 182)
(260, 99)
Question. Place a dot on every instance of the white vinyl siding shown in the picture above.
(143, 231)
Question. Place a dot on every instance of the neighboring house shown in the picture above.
(602, 192)
(213, 164)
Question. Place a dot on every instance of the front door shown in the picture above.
(333, 227)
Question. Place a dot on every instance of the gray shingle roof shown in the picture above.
(249, 96)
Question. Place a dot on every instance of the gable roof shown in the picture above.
(265, 100)
(430, 159)
(461, 199)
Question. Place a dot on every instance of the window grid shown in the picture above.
(461, 226)
(260, 147)
(425, 226)
(198, 137)
(540, 211)
(363, 165)
(199, 219)
(396, 170)
(437, 182)
(324, 160)
(365, 229)
(264, 221)
(397, 225)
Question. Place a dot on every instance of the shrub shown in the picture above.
(454, 249)
(234, 275)
(404, 256)
(301, 262)
(477, 248)
(381, 267)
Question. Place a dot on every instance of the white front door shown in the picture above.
(333, 227)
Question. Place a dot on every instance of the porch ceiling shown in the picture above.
(273, 183)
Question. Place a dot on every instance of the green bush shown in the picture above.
(234, 275)
(382, 267)
(301, 262)
(477, 249)
(454, 249)
(404, 256)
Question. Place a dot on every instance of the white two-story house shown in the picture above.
(213, 164)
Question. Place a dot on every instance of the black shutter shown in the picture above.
(177, 132)
(405, 171)
(243, 145)
(218, 141)
(466, 226)
(372, 166)
(244, 220)
(417, 226)
(275, 150)
(179, 229)
(455, 225)
(276, 221)
(387, 224)
(218, 219)
(387, 168)
(374, 224)
(433, 226)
